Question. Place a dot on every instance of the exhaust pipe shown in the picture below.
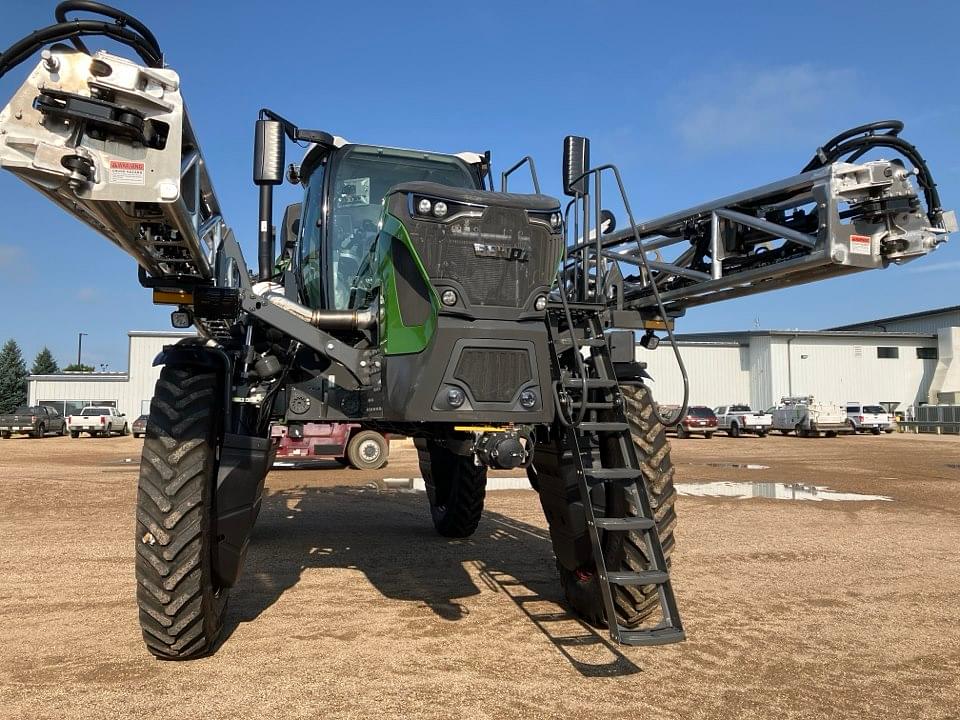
(322, 319)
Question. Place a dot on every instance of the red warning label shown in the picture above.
(126, 172)
(860, 244)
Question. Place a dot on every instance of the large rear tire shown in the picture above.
(456, 488)
(181, 605)
(627, 551)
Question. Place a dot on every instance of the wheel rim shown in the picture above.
(369, 451)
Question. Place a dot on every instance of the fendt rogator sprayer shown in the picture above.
(497, 329)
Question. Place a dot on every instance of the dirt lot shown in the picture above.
(351, 607)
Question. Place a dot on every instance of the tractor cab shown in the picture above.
(344, 192)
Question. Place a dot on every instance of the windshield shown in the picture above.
(363, 177)
(739, 408)
(96, 411)
(703, 412)
(873, 409)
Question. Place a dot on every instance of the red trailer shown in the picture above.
(348, 443)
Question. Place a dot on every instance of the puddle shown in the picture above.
(742, 466)
(774, 491)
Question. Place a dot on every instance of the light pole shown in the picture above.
(79, 348)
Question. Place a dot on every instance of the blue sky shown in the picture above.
(693, 100)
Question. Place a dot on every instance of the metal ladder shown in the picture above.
(604, 420)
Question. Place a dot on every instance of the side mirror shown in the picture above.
(576, 161)
(290, 228)
(268, 151)
(608, 222)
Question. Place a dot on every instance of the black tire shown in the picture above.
(181, 605)
(627, 551)
(64, 430)
(762, 433)
(40, 431)
(126, 430)
(456, 488)
(800, 430)
(5, 436)
(681, 431)
(875, 431)
(74, 434)
(734, 430)
(367, 450)
(708, 436)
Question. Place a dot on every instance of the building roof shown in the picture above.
(160, 333)
(745, 335)
(83, 377)
(895, 318)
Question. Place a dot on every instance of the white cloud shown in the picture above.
(759, 106)
(88, 295)
(10, 256)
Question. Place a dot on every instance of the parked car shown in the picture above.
(863, 418)
(699, 420)
(99, 421)
(808, 417)
(139, 426)
(737, 419)
(37, 421)
(348, 443)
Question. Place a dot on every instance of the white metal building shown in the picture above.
(898, 362)
(129, 391)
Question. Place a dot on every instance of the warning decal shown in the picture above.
(125, 172)
(860, 245)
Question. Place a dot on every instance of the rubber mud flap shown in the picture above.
(244, 461)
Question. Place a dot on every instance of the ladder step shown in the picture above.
(627, 523)
(656, 636)
(591, 342)
(651, 577)
(612, 474)
(592, 383)
(595, 405)
(603, 427)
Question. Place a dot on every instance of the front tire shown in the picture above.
(181, 604)
(734, 430)
(456, 488)
(40, 431)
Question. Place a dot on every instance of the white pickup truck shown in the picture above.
(737, 419)
(808, 417)
(862, 417)
(99, 421)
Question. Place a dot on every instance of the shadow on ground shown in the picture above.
(388, 536)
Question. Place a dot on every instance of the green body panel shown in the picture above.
(396, 338)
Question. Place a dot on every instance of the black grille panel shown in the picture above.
(493, 375)
(499, 259)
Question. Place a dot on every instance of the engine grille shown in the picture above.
(468, 251)
(493, 375)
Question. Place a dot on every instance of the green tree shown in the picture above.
(73, 367)
(44, 363)
(13, 377)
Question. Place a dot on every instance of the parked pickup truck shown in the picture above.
(808, 417)
(36, 421)
(862, 418)
(737, 419)
(99, 422)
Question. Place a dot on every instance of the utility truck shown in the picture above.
(409, 294)
(808, 417)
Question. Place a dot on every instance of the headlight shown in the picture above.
(528, 398)
(448, 297)
(424, 206)
(440, 209)
(555, 220)
(540, 303)
(455, 397)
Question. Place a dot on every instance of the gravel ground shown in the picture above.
(351, 607)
